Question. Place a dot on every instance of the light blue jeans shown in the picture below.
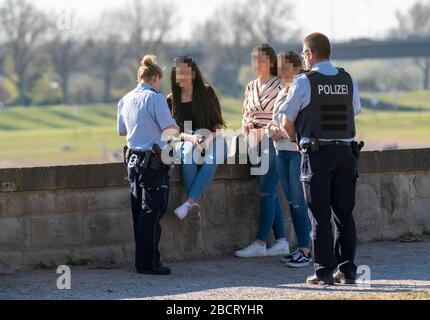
(198, 179)
(288, 165)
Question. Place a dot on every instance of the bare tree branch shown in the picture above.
(23, 27)
(416, 21)
(149, 23)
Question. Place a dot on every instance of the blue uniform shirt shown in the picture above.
(299, 95)
(143, 113)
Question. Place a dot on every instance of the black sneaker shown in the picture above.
(290, 256)
(314, 280)
(299, 260)
(341, 278)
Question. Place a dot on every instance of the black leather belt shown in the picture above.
(334, 143)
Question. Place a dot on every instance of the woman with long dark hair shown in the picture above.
(196, 109)
(259, 101)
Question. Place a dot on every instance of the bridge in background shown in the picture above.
(368, 49)
(417, 47)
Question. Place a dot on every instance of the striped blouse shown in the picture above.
(259, 101)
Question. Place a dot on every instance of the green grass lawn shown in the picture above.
(63, 134)
(418, 100)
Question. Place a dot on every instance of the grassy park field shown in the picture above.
(32, 136)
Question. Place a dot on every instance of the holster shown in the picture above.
(312, 146)
(356, 148)
(154, 155)
(151, 172)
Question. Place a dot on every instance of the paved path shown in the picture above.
(395, 267)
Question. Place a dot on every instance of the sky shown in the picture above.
(341, 20)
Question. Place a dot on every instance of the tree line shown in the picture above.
(58, 57)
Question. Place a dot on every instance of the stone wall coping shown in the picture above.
(114, 174)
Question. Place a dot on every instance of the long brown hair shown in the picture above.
(205, 104)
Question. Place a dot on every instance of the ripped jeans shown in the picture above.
(288, 166)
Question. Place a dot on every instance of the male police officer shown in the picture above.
(319, 115)
(144, 117)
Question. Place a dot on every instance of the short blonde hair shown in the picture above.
(149, 68)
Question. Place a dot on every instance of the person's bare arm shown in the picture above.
(274, 132)
(246, 121)
(288, 126)
(172, 132)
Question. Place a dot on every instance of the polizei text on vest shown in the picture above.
(333, 89)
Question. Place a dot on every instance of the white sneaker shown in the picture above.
(182, 211)
(253, 250)
(280, 248)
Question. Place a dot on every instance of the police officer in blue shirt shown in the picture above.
(319, 114)
(145, 119)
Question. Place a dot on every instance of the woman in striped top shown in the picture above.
(259, 101)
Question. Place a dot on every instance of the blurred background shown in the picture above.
(65, 64)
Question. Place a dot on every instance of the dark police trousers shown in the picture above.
(149, 198)
(329, 179)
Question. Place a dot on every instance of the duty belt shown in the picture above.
(314, 145)
(334, 143)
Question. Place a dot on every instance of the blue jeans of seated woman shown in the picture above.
(288, 165)
(197, 180)
(271, 213)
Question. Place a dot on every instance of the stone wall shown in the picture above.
(55, 215)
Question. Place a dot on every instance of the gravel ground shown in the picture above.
(396, 267)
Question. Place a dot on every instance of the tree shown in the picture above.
(416, 21)
(148, 23)
(230, 33)
(107, 49)
(250, 22)
(66, 48)
(266, 20)
(23, 27)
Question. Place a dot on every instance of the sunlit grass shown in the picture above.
(414, 99)
(67, 134)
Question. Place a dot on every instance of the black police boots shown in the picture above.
(326, 281)
(341, 278)
(161, 271)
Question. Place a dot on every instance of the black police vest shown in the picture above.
(330, 114)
